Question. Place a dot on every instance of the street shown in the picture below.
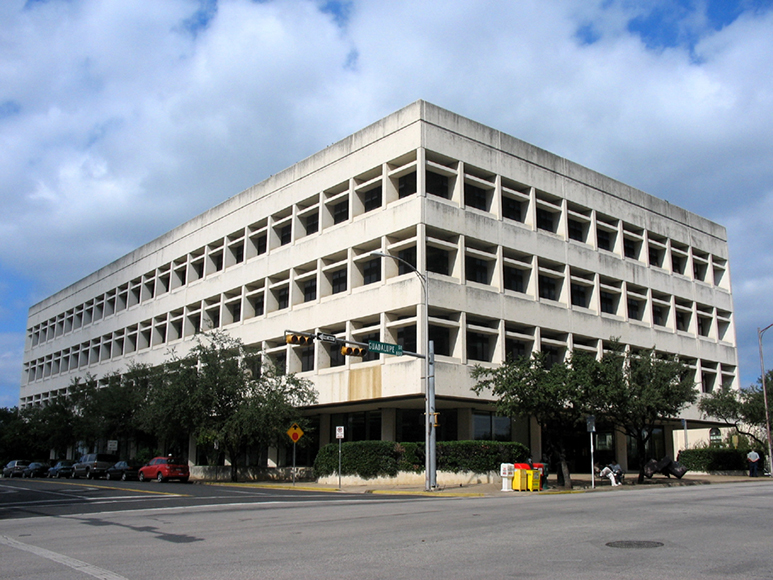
(131, 531)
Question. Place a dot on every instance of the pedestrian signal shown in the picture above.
(354, 350)
(300, 339)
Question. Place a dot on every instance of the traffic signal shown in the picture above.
(299, 339)
(354, 350)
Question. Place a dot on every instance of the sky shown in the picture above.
(122, 120)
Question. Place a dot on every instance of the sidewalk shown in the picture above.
(581, 483)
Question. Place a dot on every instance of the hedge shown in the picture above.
(716, 459)
(369, 459)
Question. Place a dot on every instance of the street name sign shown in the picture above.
(385, 348)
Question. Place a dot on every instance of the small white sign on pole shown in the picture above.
(340, 437)
(339, 432)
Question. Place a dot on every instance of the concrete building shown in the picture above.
(523, 251)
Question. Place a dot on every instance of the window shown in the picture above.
(515, 349)
(285, 235)
(406, 185)
(260, 245)
(579, 296)
(371, 199)
(437, 185)
(238, 253)
(307, 359)
(547, 288)
(257, 304)
(406, 337)
(283, 298)
(634, 311)
(437, 260)
(478, 346)
(608, 302)
(511, 209)
(409, 255)
(312, 223)
(545, 220)
(631, 248)
(280, 363)
(682, 320)
(604, 240)
(336, 358)
(371, 272)
(576, 230)
(341, 212)
(477, 270)
(658, 315)
(441, 336)
(514, 279)
(310, 290)
(475, 197)
(490, 427)
(338, 281)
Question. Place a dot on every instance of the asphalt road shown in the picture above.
(214, 532)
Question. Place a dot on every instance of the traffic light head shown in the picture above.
(299, 339)
(354, 350)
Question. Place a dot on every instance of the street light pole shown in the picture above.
(430, 436)
(765, 398)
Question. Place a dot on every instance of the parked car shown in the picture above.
(62, 469)
(15, 468)
(124, 470)
(165, 468)
(35, 469)
(93, 465)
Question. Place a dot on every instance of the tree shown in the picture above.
(221, 391)
(743, 410)
(556, 395)
(638, 391)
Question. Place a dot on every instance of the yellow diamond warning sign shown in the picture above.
(295, 432)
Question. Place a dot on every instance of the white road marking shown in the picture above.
(84, 567)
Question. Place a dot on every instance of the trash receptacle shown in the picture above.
(506, 471)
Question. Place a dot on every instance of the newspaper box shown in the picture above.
(506, 471)
(521, 477)
(533, 480)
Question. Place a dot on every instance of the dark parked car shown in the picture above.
(124, 470)
(15, 468)
(35, 469)
(93, 465)
(164, 468)
(62, 469)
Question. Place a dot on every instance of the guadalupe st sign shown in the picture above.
(385, 348)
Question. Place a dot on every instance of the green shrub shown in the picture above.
(715, 459)
(385, 458)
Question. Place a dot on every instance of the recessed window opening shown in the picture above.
(514, 279)
(475, 197)
(310, 290)
(548, 288)
(312, 223)
(371, 199)
(579, 295)
(341, 212)
(437, 184)
(406, 185)
(338, 281)
(477, 270)
(546, 220)
(437, 260)
(442, 338)
(371, 271)
(408, 255)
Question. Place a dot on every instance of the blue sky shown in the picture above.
(121, 120)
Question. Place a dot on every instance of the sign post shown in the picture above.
(294, 433)
(591, 422)
(340, 437)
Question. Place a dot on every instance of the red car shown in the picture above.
(165, 468)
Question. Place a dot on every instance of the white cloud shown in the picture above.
(118, 122)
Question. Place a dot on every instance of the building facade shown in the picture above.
(522, 251)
